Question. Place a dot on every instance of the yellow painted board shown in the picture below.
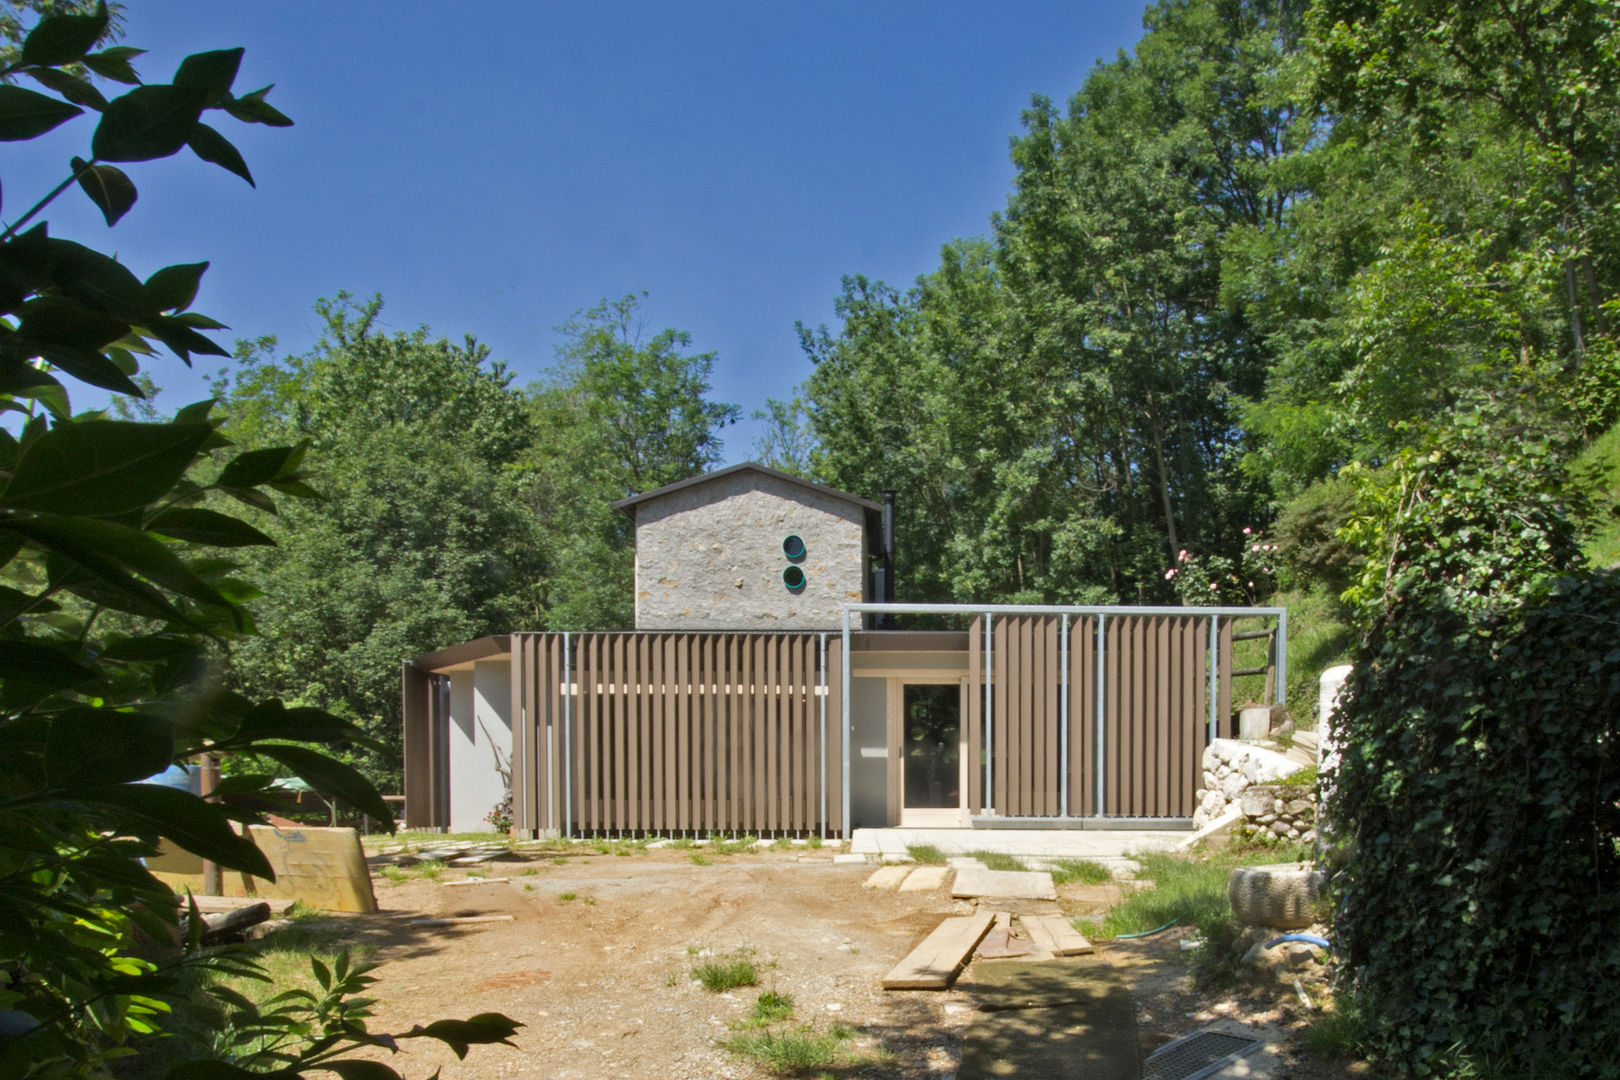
(323, 867)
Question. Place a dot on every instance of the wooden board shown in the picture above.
(323, 867)
(933, 964)
(1055, 934)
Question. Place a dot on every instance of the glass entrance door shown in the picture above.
(931, 753)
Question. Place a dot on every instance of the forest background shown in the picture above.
(1241, 269)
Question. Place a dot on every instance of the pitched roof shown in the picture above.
(626, 505)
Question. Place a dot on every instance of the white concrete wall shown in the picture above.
(480, 729)
(709, 557)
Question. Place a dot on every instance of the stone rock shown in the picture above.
(1301, 806)
(1283, 895)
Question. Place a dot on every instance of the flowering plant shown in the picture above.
(1219, 580)
(500, 815)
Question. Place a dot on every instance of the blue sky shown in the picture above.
(492, 168)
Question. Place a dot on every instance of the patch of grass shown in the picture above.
(797, 1051)
(926, 854)
(393, 873)
(781, 843)
(728, 972)
(302, 912)
(560, 860)
(1305, 778)
(700, 859)
(1082, 870)
(530, 872)
(1596, 471)
(621, 848)
(770, 1008)
(527, 887)
(1187, 890)
(720, 846)
(428, 868)
(1319, 636)
(567, 896)
(1335, 1032)
(998, 860)
(813, 840)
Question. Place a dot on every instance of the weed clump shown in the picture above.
(1084, 871)
(728, 972)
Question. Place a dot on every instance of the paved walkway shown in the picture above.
(1111, 847)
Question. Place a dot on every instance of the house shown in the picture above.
(766, 690)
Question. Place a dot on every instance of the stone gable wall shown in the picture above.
(709, 557)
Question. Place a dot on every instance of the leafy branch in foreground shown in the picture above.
(118, 594)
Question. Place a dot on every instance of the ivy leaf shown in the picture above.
(25, 114)
(102, 467)
(108, 187)
(211, 146)
(62, 39)
(148, 122)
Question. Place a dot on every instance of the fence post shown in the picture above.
(821, 743)
(1101, 766)
(568, 740)
(1214, 674)
(989, 717)
(1063, 719)
(843, 724)
(1282, 657)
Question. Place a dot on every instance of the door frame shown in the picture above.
(894, 700)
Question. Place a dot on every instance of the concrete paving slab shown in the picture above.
(925, 879)
(1065, 1020)
(964, 863)
(849, 860)
(1111, 847)
(1004, 884)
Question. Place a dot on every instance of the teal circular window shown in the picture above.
(793, 547)
(793, 577)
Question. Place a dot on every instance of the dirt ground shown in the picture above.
(597, 962)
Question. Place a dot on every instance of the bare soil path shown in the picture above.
(597, 961)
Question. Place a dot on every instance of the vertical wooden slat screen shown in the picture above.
(676, 732)
(1156, 713)
(1026, 679)
(833, 748)
(416, 696)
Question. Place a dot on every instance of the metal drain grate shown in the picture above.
(1197, 1055)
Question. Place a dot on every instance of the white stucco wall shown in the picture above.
(868, 752)
(709, 556)
(480, 729)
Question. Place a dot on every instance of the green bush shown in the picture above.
(1478, 798)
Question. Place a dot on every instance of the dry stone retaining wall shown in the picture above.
(1232, 767)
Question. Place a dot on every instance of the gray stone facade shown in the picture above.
(709, 555)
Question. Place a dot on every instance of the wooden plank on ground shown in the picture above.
(210, 905)
(933, 964)
(999, 943)
(1055, 934)
(457, 920)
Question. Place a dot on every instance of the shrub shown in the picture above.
(1478, 796)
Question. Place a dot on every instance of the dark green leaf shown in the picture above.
(211, 146)
(212, 72)
(148, 122)
(62, 39)
(107, 187)
(91, 367)
(114, 64)
(182, 340)
(102, 746)
(102, 467)
(56, 320)
(147, 647)
(36, 664)
(253, 109)
(111, 588)
(358, 1069)
(94, 279)
(330, 777)
(199, 827)
(272, 720)
(14, 603)
(114, 551)
(71, 87)
(254, 467)
(173, 287)
(207, 527)
(26, 114)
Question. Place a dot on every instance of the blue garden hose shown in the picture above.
(1309, 939)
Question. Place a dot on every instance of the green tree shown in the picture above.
(619, 413)
(117, 593)
(421, 536)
